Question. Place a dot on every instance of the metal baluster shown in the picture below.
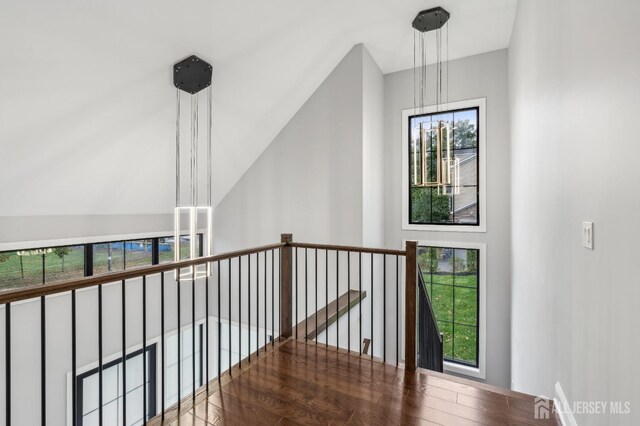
(326, 298)
(371, 306)
(229, 320)
(316, 296)
(306, 293)
(348, 301)
(397, 311)
(265, 300)
(74, 396)
(193, 335)
(360, 303)
(296, 316)
(240, 311)
(179, 383)
(219, 327)
(273, 328)
(162, 367)
(124, 354)
(206, 324)
(43, 362)
(144, 349)
(384, 308)
(257, 304)
(337, 299)
(248, 306)
(100, 355)
(7, 346)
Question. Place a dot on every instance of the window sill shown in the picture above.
(475, 372)
(445, 228)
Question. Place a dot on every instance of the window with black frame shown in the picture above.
(443, 170)
(452, 280)
(112, 392)
(44, 265)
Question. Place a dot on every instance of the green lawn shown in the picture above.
(20, 271)
(456, 316)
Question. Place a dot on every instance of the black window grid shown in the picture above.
(452, 220)
(88, 267)
(453, 321)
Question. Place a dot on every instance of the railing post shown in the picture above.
(286, 295)
(410, 307)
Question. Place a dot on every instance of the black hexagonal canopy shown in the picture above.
(192, 74)
(430, 19)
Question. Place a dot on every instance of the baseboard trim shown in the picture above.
(562, 407)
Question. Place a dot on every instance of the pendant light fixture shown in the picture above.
(193, 211)
(434, 165)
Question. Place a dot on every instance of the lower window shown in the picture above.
(188, 370)
(88, 385)
(452, 278)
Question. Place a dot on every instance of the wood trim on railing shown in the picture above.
(410, 306)
(286, 286)
(349, 248)
(16, 295)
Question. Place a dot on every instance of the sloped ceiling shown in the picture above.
(87, 106)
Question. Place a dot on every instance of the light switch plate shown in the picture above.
(587, 235)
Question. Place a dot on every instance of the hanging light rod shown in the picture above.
(430, 19)
(192, 74)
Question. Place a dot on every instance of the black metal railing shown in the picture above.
(195, 320)
(345, 295)
(430, 347)
(113, 318)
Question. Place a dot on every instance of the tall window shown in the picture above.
(443, 166)
(452, 278)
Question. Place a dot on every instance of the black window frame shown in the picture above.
(89, 254)
(453, 321)
(152, 393)
(478, 163)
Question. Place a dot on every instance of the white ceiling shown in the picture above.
(271, 56)
(92, 79)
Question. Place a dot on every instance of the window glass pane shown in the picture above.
(465, 128)
(108, 257)
(20, 268)
(64, 263)
(449, 164)
(466, 206)
(451, 277)
(444, 273)
(138, 253)
(466, 306)
(442, 301)
(464, 342)
(167, 248)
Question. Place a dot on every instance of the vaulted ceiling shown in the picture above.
(87, 95)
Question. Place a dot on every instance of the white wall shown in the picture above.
(573, 86)
(473, 77)
(309, 180)
(372, 152)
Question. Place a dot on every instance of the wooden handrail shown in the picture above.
(349, 248)
(16, 295)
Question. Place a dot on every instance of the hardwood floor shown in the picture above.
(299, 383)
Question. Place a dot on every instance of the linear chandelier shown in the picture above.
(192, 76)
(434, 165)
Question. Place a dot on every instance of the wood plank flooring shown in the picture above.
(301, 383)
